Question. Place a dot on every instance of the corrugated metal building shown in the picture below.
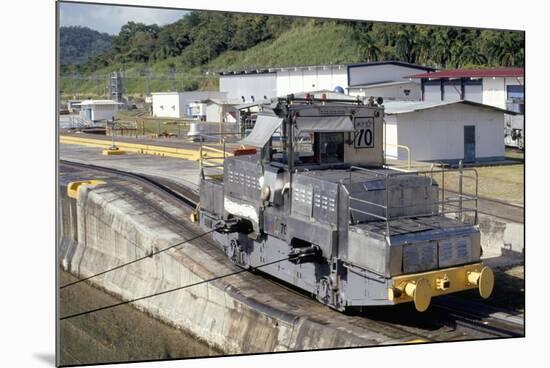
(253, 85)
(444, 131)
(389, 91)
(490, 86)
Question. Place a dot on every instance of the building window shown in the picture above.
(514, 92)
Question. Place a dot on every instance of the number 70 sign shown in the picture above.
(364, 133)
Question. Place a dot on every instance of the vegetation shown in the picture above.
(183, 55)
(78, 44)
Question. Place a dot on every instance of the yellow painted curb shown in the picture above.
(110, 152)
(415, 341)
(74, 186)
(183, 153)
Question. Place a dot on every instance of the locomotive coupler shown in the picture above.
(233, 225)
(305, 255)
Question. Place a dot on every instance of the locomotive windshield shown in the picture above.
(311, 148)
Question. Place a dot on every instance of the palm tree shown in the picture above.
(423, 45)
(506, 49)
(368, 48)
(441, 46)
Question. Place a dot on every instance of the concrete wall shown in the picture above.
(499, 237)
(111, 224)
(438, 133)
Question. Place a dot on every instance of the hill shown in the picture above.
(185, 55)
(78, 44)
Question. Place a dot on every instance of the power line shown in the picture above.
(166, 291)
(137, 260)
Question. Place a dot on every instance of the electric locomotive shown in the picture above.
(346, 228)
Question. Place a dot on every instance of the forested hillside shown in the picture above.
(78, 44)
(184, 55)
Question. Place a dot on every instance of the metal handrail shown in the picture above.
(450, 202)
(427, 214)
(204, 158)
(366, 202)
(402, 147)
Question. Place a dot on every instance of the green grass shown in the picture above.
(502, 182)
(308, 45)
(311, 44)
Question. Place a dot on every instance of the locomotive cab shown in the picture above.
(317, 196)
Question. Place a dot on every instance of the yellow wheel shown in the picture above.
(421, 294)
(486, 282)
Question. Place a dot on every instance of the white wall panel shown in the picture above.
(247, 85)
(432, 92)
(370, 74)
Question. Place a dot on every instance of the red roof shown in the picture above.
(472, 73)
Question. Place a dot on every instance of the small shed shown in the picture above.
(223, 110)
(73, 106)
(444, 131)
(97, 110)
(176, 104)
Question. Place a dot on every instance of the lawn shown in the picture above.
(503, 182)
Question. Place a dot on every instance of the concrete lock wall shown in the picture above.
(106, 227)
(500, 237)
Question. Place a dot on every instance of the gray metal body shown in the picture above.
(353, 228)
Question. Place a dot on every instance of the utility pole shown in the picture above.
(171, 71)
(72, 84)
(98, 85)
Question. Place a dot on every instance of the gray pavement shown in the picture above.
(183, 172)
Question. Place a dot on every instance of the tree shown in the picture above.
(405, 45)
(368, 48)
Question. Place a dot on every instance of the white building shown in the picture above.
(444, 131)
(97, 110)
(498, 87)
(176, 104)
(253, 85)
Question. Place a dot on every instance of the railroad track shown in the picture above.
(474, 319)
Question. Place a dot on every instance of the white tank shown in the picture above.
(194, 132)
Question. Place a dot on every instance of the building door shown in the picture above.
(88, 114)
(469, 143)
